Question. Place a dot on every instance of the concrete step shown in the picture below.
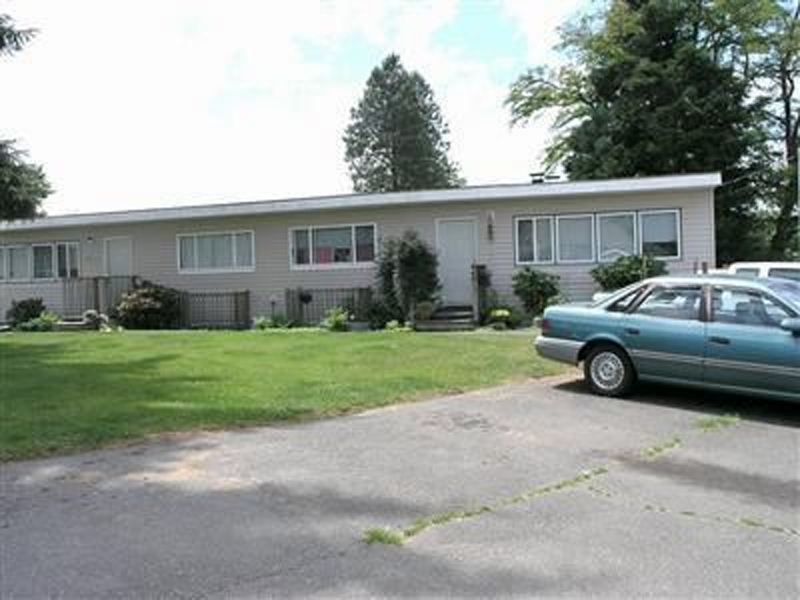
(445, 325)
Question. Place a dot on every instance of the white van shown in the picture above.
(784, 270)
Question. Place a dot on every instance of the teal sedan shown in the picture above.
(717, 332)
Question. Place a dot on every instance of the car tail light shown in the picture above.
(544, 325)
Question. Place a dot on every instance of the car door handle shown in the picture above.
(632, 330)
(719, 340)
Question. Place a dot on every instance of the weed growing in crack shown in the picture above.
(708, 424)
(656, 451)
(387, 535)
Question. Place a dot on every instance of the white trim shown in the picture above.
(678, 230)
(618, 187)
(53, 274)
(232, 269)
(105, 252)
(27, 279)
(534, 219)
(599, 238)
(574, 217)
(333, 266)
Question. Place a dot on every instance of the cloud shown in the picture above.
(166, 102)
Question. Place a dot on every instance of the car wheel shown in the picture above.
(609, 371)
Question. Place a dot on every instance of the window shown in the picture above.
(19, 262)
(535, 240)
(42, 262)
(746, 307)
(682, 303)
(332, 246)
(659, 232)
(616, 236)
(2, 263)
(210, 252)
(67, 259)
(575, 238)
(785, 273)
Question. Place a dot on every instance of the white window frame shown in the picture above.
(8, 263)
(67, 245)
(53, 273)
(534, 219)
(678, 232)
(573, 217)
(599, 236)
(353, 264)
(232, 269)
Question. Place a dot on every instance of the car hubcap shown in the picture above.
(608, 370)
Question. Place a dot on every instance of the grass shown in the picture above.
(708, 424)
(658, 450)
(64, 392)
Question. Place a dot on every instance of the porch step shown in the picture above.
(442, 325)
(448, 318)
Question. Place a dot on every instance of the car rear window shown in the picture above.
(784, 273)
(747, 272)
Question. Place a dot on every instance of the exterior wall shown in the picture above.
(155, 245)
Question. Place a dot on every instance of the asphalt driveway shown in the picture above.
(560, 493)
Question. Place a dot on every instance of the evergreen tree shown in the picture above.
(396, 139)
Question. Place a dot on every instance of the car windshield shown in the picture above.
(788, 290)
(612, 297)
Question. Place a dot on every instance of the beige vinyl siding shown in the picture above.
(155, 250)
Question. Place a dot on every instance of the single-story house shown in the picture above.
(329, 243)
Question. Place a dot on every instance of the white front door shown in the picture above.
(457, 249)
(119, 256)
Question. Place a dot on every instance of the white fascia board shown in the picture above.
(469, 194)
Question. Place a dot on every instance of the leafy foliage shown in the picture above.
(406, 275)
(627, 270)
(12, 39)
(23, 186)
(658, 87)
(335, 319)
(24, 310)
(46, 321)
(149, 306)
(396, 139)
(535, 289)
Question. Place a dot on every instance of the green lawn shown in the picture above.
(62, 392)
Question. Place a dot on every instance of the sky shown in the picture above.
(151, 103)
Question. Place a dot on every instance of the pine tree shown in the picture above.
(396, 139)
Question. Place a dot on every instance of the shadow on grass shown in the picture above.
(52, 402)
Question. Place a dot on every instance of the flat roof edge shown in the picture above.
(422, 197)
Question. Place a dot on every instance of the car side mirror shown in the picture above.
(791, 325)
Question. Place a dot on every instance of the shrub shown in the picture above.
(335, 320)
(150, 306)
(95, 320)
(502, 316)
(397, 326)
(273, 322)
(535, 289)
(627, 270)
(46, 321)
(406, 274)
(23, 311)
(378, 313)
